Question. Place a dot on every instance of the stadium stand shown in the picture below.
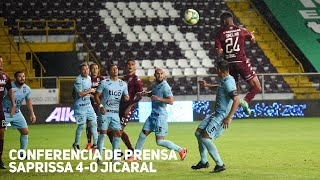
(150, 32)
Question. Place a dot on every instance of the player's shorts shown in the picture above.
(108, 120)
(243, 69)
(2, 120)
(125, 119)
(85, 113)
(17, 121)
(159, 125)
(212, 127)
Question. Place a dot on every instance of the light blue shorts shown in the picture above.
(17, 120)
(159, 125)
(85, 113)
(212, 127)
(109, 120)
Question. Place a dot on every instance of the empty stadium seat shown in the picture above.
(171, 63)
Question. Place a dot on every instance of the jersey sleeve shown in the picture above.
(139, 85)
(100, 86)
(8, 84)
(217, 42)
(28, 93)
(246, 33)
(78, 85)
(167, 91)
(125, 89)
(231, 88)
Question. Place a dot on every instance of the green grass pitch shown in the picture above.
(287, 148)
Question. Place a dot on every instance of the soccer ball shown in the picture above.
(191, 17)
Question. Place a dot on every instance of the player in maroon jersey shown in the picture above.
(229, 43)
(127, 107)
(5, 83)
(95, 79)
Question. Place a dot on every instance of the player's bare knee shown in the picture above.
(24, 131)
(103, 131)
(117, 133)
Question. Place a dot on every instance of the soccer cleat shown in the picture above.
(76, 147)
(94, 148)
(218, 168)
(21, 156)
(2, 165)
(200, 165)
(245, 107)
(89, 145)
(133, 159)
(183, 154)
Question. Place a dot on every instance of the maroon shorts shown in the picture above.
(243, 69)
(125, 119)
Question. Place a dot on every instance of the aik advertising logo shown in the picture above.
(61, 114)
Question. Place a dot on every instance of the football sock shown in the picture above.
(93, 129)
(88, 133)
(202, 148)
(212, 150)
(116, 143)
(23, 141)
(252, 93)
(169, 145)
(78, 133)
(101, 139)
(1, 148)
(141, 141)
(126, 140)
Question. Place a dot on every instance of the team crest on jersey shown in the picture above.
(130, 79)
(24, 90)
(4, 77)
(120, 83)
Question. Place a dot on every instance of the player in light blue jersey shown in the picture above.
(161, 95)
(21, 92)
(227, 102)
(83, 110)
(108, 96)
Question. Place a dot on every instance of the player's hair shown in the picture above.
(225, 15)
(130, 60)
(0, 56)
(93, 65)
(223, 65)
(110, 66)
(17, 72)
(81, 65)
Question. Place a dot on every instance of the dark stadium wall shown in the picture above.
(58, 63)
(264, 10)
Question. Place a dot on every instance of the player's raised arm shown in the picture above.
(167, 100)
(205, 84)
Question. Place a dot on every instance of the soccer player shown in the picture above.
(111, 90)
(161, 95)
(21, 92)
(95, 80)
(229, 42)
(83, 110)
(227, 102)
(127, 107)
(5, 83)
